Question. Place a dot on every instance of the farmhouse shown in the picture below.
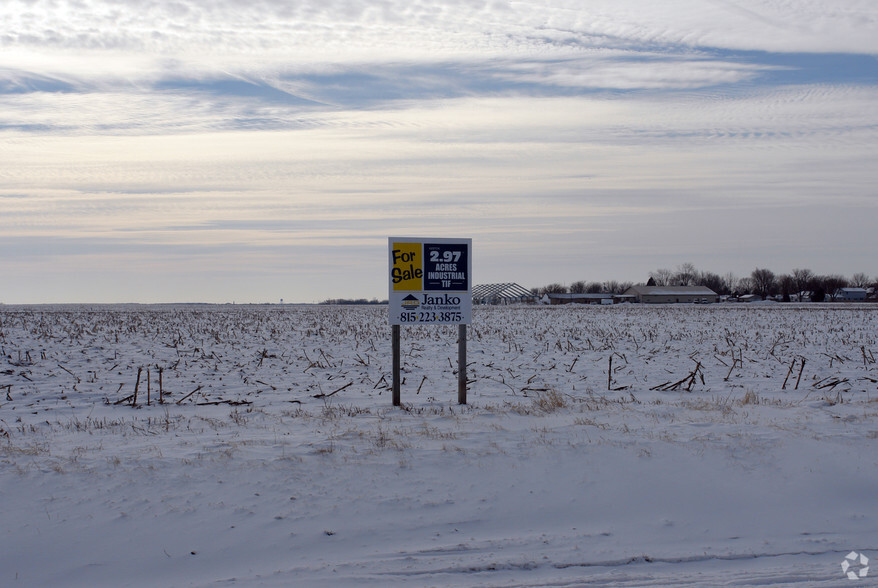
(671, 294)
(850, 294)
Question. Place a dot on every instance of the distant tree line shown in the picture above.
(353, 301)
(761, 281)
(610, 286)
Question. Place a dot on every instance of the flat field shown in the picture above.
(624, 446)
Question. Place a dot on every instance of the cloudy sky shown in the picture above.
(248, 151)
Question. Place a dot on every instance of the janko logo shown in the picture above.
(410, 302)
(407, 267)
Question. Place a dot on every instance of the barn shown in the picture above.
(557, 298)
(672, 294)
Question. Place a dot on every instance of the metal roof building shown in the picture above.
(672, 294)
(568, 298)
(850, 294)
(507, 293)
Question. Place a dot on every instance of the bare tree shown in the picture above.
(818, 290)
(832, 283)
(712, 281)
(662, 277)
(578, 287)
(686, 275)
(803, 279)
(787, 284)
(616, 287)
(730, 283)
(593, 288)
(763, 282)
(744, 286)
(611, 286)
(554, 289)
(859, 280)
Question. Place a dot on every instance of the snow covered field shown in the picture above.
(724, 445)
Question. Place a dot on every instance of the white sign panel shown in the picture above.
(430, 281)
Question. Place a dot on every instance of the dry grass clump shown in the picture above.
(550, 401)
(332, 412)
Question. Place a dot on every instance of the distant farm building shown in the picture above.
(558, 298)
(507, 293)
(671, 294)
(850, 294)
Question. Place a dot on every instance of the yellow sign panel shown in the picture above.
(407, 267)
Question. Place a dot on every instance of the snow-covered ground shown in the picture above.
(724, 445)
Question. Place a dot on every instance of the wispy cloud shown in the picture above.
(271, 34)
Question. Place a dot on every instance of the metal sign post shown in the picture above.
(461, 364)
(395, 335)
(430, 283)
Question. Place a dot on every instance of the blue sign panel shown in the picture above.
(445, 267)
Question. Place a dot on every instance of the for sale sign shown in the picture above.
(430, 281)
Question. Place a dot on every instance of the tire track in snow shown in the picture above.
(781, 574)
